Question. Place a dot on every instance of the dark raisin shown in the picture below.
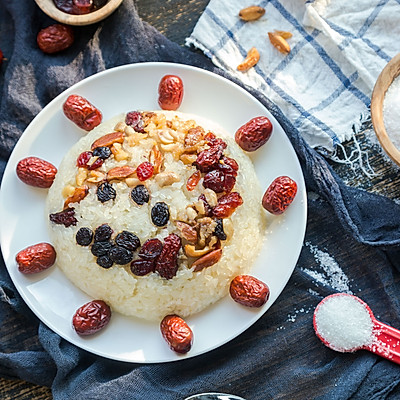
(120, 255)
(84, 236)
(65, 217)
(167, 262)
(105, 192)
(227, 204)
(103, 233)
(140, 195)
(135, 120)
(228, 166)
(142, 267)
(151, 249)
(102, 152)
(105, 261)
(219, 230)
(160, 214)
(100, 248)
(127, 240)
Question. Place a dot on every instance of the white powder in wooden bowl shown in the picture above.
(391, 112)
(344, 323)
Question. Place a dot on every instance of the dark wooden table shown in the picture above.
(176, 20)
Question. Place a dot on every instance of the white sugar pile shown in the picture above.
(344, 322)
(391, 112)
(330, 273)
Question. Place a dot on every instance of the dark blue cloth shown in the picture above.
(279, 356)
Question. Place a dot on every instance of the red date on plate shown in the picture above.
(279, 195)
(177, 333)
(91, 317)
(81, 112)
(170, 92)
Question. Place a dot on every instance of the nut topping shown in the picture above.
(252, 58)
(191, 251)
(109, 139)
(167, 178)
(79, 194)
(188, 232)
(120, 172)
(207, 260)
(279, 42)
(251, 13)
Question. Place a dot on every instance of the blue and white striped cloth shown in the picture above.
(325, 83)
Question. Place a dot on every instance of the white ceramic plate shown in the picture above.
(50, 294)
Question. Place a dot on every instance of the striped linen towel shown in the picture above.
(324, 84)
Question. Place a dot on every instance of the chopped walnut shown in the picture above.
(191, 251)
(119, 153)
(166, 178)
(211, 197)
(133, 181)
(188, 232)
(188, 159)
(191, 213)
(68, 190)
(120, 127)
(81, 176)
(207, 227)
(95, 176)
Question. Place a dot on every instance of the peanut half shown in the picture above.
(251, 13)
(284, 34)
(279, 42)
(252, 58)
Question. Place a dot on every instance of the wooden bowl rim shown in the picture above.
(49, 8)
(385, 79)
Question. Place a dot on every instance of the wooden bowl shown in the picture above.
(49, 8)
(385, 79)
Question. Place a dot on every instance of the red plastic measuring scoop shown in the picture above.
(385, 339)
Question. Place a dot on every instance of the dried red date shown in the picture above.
(218, 181)
(81, 112)
(55, 38)
(142, 267)
(208, 159)
(249, 291)
(254, 133)
(170, 92)
(167, 262)
(177, 333)
(279, 195)
(227, 204)
(151, 249)
(36, 258)
(1, 57)
(91, 317)
(36, 172)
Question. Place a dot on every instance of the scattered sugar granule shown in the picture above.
(344, 323)
(391, 112)
(331, 274)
